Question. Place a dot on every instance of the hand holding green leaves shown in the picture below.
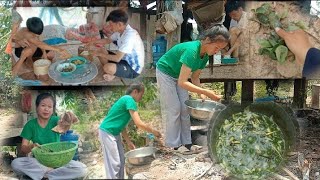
(297, 41)
(274, 46)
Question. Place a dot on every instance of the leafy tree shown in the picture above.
(9, 90)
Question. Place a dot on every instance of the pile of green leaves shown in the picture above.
(250, 145)
(274, 47)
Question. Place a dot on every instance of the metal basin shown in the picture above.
(204, 110)
(140, 156)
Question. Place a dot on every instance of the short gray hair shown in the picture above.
(216, 33)
(138, 86)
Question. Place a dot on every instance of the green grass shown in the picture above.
(147, 115)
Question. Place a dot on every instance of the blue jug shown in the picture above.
(159, 47)
(69, 136)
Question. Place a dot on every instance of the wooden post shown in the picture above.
(247, 91)
(315, 96)
(299, 93)
(143, 20)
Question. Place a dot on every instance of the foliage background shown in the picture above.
(9, 90)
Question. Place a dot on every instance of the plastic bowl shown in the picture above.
(66, 68)
(78, 61)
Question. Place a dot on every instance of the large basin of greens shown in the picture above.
(251, 142)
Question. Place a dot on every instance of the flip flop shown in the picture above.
(195, 149)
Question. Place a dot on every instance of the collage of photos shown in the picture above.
(144, 89)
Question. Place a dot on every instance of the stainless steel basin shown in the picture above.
(140, 156)
(204, 110)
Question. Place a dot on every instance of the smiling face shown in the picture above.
(45, 109)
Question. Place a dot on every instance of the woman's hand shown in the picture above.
(227, 54)
(297, 41)
(131, 146)
(64, 54)
(34, 145)
(160, 142)
(203, 97)
(212, 95)
(156, 133)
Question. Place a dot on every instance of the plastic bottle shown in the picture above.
(69, 136)
(217, 58)
(150, 139)
(159, 47)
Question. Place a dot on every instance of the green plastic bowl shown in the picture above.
(78, 61)
(55, 154)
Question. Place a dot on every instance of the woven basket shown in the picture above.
(41, 66)
(62, 153)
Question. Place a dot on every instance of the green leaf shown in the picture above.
(274, 20)
(292, 27)
(281, 53)
(263, 19)
(301, 25)
(266, 6)
(281, 42)
(261, 10)
(269, 52)
(264, 43)
(273, 41)
(296, 26)
(272, 55)
(283, 14)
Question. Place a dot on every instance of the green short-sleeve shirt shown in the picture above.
(119, 116)
(32, 131)
(187, 53)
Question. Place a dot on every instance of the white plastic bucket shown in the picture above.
(41, 66)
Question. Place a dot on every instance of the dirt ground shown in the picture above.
(172, 165)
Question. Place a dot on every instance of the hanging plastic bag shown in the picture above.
(26, 101)
(166, 24)
(177, 15)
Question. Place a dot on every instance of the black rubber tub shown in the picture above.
(280, 115)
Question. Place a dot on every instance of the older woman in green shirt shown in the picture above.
(118, 117)
(173, 70)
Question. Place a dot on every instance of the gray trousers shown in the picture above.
(31, 167)
(113, 154)
(175, 116)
